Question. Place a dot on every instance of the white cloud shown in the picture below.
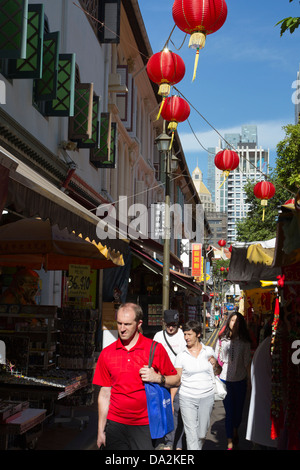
(269, 134)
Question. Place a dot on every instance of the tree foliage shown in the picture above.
(285, 177)
(289, 24)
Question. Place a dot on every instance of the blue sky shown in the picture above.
(245, 73)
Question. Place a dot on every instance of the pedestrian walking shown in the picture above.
(196, 366)
(233, 352)
(121, 372)
(172, 339)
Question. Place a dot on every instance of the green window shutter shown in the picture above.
(109, 14)
(31, 66)
(105, 156)
(94, 141)
(63, 104)
(13, 28)
(80, 125)
(45, 88)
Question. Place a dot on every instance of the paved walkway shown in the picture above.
(72, 436)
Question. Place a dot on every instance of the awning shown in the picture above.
(157, 267)
(250, 264)
(32, 195)
(287, 250)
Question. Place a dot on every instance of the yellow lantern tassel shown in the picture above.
(197, 41)
(196, 64)
(172, 139)
(226, 173)
(264, 203)
(160, 108)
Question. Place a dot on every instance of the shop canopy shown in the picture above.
(32, 196)
(156, 266)
(251, 263)
(36, 244)
(287, 250)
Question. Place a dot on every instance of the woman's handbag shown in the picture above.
(220, 389)
(159, 405)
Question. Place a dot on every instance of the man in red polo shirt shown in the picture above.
(121, 372)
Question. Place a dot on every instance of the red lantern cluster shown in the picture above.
(264, 190)
(199, 18)
(227, 160)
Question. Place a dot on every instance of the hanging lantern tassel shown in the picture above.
(160, 108)
(172, 126)
(264, 203)
(226, 174)
(197, 41)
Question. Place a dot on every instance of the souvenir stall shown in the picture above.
(251, 268)
(285, 411)
(48, 349)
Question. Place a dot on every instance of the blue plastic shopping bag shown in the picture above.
(159, 406)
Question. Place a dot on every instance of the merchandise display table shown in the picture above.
(27, 420)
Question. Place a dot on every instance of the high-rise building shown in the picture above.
(230, 195)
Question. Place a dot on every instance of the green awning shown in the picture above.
(63, 104)
(45, 88)
(31, 66)
(105, 156)
(80, 125)
(13, 29)
(94, 141)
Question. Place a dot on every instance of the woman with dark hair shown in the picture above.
(233, 352)
(196, 366)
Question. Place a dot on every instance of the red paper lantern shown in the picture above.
(264, 190)
(165, 68)
(199, 18)
(227, 160)
(174, 110)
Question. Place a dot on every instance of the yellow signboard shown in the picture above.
(79, 280)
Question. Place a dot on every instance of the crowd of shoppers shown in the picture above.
(181, 363)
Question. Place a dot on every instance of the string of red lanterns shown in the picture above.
(165, 68)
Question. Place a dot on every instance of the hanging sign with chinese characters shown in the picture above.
(79, 280)
(196, 259)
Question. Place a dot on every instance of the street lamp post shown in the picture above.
(163, 145)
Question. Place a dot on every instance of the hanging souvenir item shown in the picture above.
(198, 19)
(175, 110)
(227, 161)
(264, 190)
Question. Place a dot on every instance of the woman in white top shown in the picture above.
(233, 353)
(196, 365)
